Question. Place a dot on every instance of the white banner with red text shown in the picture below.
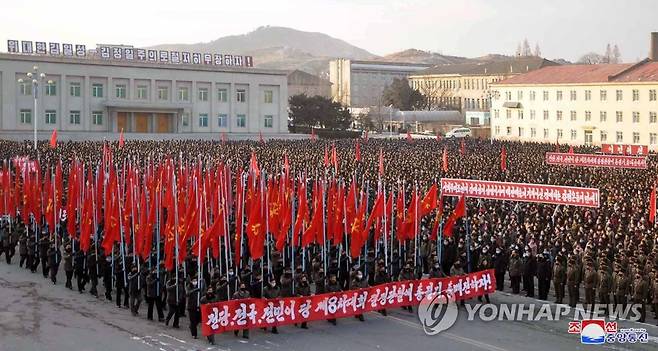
(592, 160)
(261, 313)
(549, 194)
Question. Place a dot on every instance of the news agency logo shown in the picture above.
(599, 332)
(437, 313)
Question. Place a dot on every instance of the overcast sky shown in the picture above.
(563, 28)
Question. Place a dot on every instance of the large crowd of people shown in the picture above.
(611, 252)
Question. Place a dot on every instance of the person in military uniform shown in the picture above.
(242, 293)
(544, 272)
(515, 270)
(573, 281)
(272, 291)
(591, 279)
(604, 285)
(620, 286)
(22, 251)
(332, 287)
(559, 280)
(640, 294)
(68, 266)
(654, 289)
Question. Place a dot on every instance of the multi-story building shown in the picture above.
(465, 87)
(581, 104)
(300, 82)
(89, 94)
(360, 84)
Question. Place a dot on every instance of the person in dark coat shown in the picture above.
(358, 282)
(500, 267)
(80, 270)
(152, 281)
(68, 266)
(135, 290)
(92, 268)
(22, 250)
(332, 287)
(44, 246)
(304, 289)
(544, 272)
(193, 294)
(209, 297)
(54, 258)
(242, 293)
(108, 268)
(172, 301)
(529, 272)
(272, 291)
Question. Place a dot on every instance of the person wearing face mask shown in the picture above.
(333, 287)
(515, 270)
(544, 272)
(407, 274)
(242, 293)
(193, 294)
(172, 301)
(209, 297)
(272, 291)
(151, 296)
(529, 272)
(500, 267)
(436, 271)
(304, 289)
(358, 283)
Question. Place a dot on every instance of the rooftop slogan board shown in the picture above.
(128, 53)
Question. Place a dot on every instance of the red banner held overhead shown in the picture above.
(262, 313)
(593, 160)
(550, 194)
(625, 149)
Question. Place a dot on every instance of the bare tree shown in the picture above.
(537, 50)
(518, 50)
(436, 96)
(607, 56)
(591, 58)
(616, 55)
(526, 48)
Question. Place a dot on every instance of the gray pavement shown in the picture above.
(37, 315)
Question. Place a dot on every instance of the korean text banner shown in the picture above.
(549, 194)
(589, 160)
(261, 313)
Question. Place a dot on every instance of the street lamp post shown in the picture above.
(36, 79)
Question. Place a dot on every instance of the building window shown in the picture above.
(241, 95)
(509, 114)
(183, 94)
(120, 91)
(533, 132)
(269, 121)
(588, 116)
(185, 119)
(520, 131)
(619, 116)
(588, 95)
(141, 92)
(559, 133)
(519, 114)
(545, 93)
(497, 130)
(603, 95)
(242, 121)
(636, 117)
(636, 138)
(652, 138)
(574, 134)
(532, 114)
(222, 120)
(519, 95)
(620, 137)
(203, 94)
(74, 117)
(25, 88)
(620, 95)
(97, 118)
(545, 115)
(74, 89)
(203, 120)
(652, 117)
(572, 95)
(51, 117)
(509, 130)
(558, 115)
(533, 95)
(636, 95)
(25, 116)
(604, 136)
(51, 89)
(545, 133)
(603, 116)
(573, 115)
(97, 90)
(222, 95)
(496, 113)
(163, 93)
(558, 95)
(652, 95)
(268, 96)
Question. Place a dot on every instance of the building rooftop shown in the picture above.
(91, 60)
(516, 65)
(304, 78)
(643, 71)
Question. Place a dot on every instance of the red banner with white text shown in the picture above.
(625, 149)
(589, 160)
(261, 313)
(549, 194)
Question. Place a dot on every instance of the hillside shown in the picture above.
(420, 56)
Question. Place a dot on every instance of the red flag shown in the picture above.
(381, 162)
(652, 206)
(87, 219)
(571, 149)
(314, 230)
(356, 230)
(437, 220)
(462, 147)
(239, 215)
(302, 211)
(286, 166)
(357, 152)
(399, 215)
(459, 212)
(53, 139)
(429, 201)
(409, 138)
(121, 140)
(256, 226)
(503, 159)
(445, 159)
(334, 157)
(253, 165)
